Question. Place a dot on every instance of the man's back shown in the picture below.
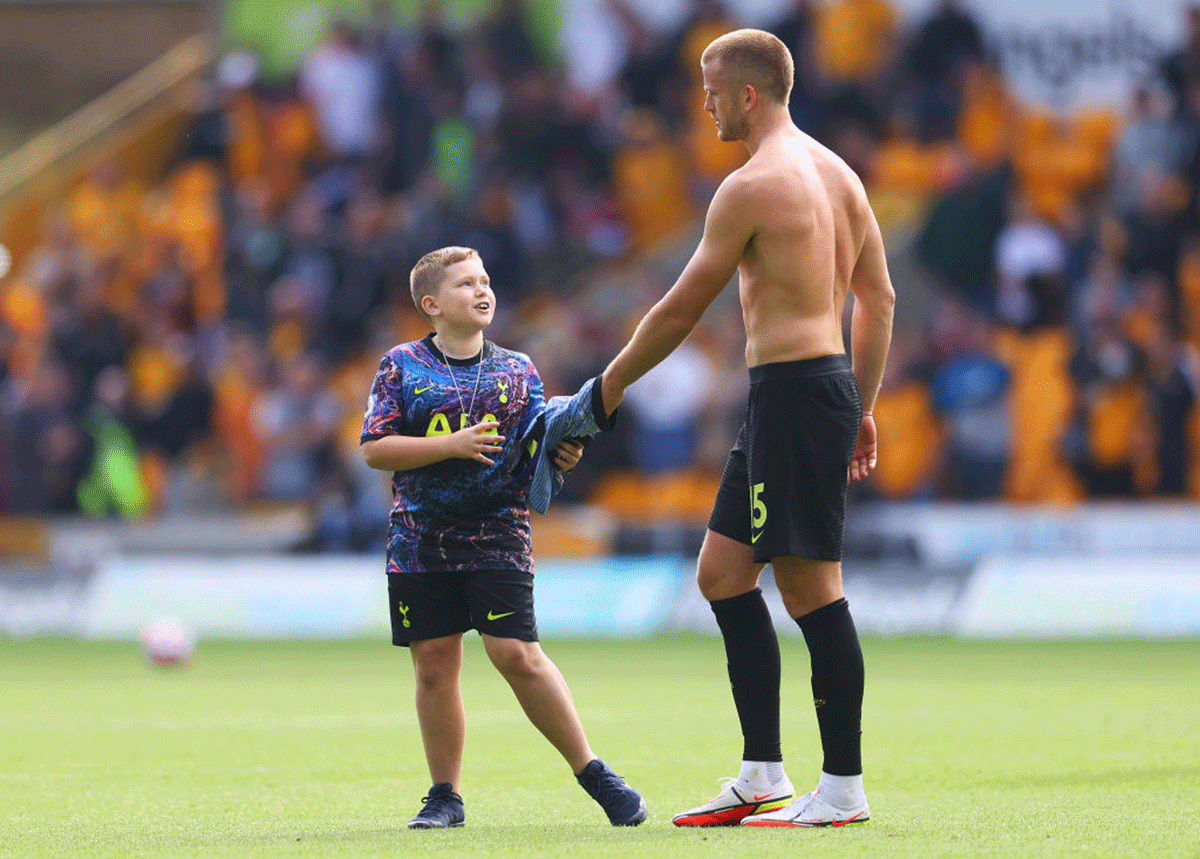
(809, 215)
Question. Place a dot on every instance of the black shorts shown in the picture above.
(431, 605)
(784, 487)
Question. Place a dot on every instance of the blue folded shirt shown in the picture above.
(578, 418)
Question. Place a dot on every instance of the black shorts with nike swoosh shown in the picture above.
(431, 605)
(784, 487)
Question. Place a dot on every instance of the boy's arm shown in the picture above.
(406, 452)
(386, 446)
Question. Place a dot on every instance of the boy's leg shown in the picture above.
(437, 663)
(543, 695)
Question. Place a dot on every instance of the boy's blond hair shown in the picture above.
(430, 270)
(754, 57)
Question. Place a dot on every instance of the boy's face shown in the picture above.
(465, 300)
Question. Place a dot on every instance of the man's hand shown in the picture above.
(475, 441)
(567, 455)
(864, 451)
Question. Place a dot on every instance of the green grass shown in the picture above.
(970, 749)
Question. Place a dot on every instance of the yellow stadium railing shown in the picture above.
(138, 122)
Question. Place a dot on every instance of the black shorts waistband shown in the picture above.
(822, 365)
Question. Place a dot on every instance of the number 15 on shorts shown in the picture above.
(758, 511)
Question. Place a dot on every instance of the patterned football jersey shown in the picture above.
(456, 514)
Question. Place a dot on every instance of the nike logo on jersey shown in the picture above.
(423, 390)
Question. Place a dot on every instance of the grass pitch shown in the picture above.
(311, 749)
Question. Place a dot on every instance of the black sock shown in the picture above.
(752, 655)
(837, 684)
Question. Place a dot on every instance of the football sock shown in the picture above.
(842, 791)
(752, 656)
(837, 685)
(762, 774)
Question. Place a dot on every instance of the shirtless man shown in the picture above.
(795, 224)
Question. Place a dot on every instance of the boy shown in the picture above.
(446, 414)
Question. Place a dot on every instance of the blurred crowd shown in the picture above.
(208, 339)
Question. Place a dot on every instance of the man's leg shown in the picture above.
(437, 663)
(546, 700)
(812, 594)
(728, 579)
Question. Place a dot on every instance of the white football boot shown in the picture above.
(810, 811)
(737, 800)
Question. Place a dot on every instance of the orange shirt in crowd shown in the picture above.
(854, 38)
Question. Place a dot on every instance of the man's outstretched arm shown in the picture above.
(727, 229)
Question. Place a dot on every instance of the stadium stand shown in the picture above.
(204, 335)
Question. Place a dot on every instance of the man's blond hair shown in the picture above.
(754, 57)
(430, 270)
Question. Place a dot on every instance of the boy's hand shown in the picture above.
(567, 455)
(475, 441)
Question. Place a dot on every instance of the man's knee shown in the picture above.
(711, 580)
(806, 585)
(726, 568)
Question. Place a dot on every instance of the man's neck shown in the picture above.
(459, 345)
(775, 120)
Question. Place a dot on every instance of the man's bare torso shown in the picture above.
(809, 212)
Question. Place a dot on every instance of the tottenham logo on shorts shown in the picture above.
(403, 609)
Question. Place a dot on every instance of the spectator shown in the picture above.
(1105, 293)
(254, 255)
(650, 180)
(946, 42)
(91, 338)
(114, 484)
(506, 35)
(1181, 68)
(797, 30)
(1155, 232)
(1171, 399)
(856, 43)
(957, 242)
(47, 453)
(1026, 248)
(665, 406)
(296, 422)
(342, 85)
(1150, 145)
(969, 392)
(360, 279)
(1106, 369)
